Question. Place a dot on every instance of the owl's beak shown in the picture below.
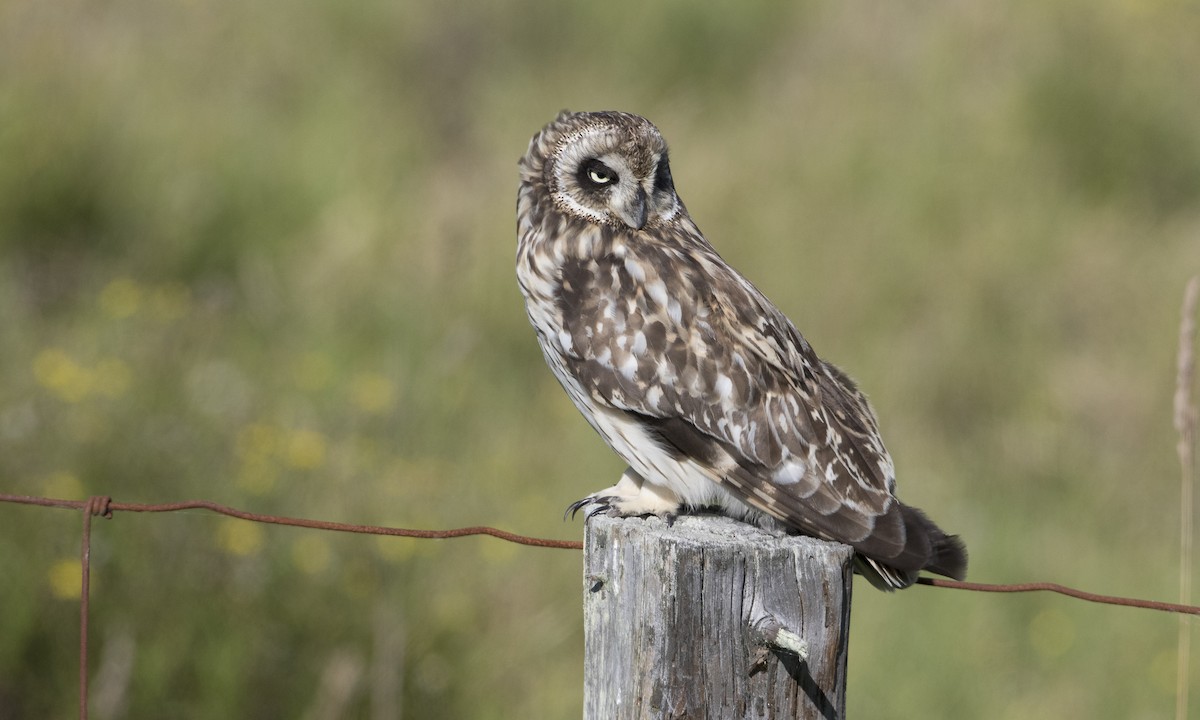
(635, 212)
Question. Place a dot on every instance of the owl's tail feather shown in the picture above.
(949, 557)
(947, 554)
(926, 547)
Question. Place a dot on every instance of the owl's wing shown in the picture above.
(683, 344)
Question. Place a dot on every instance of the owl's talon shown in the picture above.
(604, 508)
(575, 507)
(603, 503)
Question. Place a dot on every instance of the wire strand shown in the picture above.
(109, 506)
(1061, 590)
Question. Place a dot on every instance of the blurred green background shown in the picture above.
(261, 253)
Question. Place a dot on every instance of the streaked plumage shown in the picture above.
(689, 373)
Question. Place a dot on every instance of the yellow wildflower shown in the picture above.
(121, 298)
(373, 393)
(65, 578)
(239, 537)
(305, 449)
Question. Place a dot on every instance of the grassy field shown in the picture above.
(261, 253)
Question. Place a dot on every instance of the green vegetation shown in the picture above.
(261, 253)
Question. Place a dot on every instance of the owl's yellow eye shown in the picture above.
(598, 174)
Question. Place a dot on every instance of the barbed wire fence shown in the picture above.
(106, 507)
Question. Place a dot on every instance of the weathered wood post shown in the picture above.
(712, 618)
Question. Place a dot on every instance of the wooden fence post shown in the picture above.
(712, 618)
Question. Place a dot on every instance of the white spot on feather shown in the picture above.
(723, 387)
(674, 311)
(666, 372)
(635, 270)
(639, 343)
(657, 290)
(830, 473)
(629, 367)
(586, 240)
(790, 472)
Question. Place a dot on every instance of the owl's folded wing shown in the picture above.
(720, 376)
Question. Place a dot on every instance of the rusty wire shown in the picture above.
(104, 506)
(1061, 590)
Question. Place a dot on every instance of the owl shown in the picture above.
(690, 374)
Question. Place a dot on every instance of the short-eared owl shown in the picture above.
(690, 374)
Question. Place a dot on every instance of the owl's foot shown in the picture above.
(632, 496)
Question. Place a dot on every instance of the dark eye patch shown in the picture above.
(662, 176)
(595, 174)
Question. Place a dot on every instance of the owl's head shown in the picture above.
(605, 167)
